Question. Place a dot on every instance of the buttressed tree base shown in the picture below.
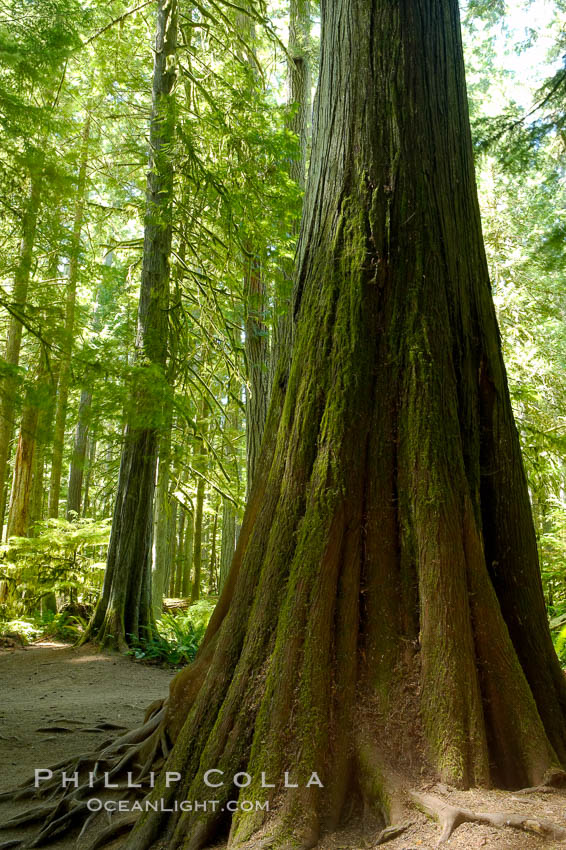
(383, 619)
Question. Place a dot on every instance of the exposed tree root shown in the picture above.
(391, 832)
(125, 761)
(119, 826)
(451, 817)
(555, 780)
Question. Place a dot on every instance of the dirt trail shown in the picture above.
(53, 696)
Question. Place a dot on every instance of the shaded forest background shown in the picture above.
(75, 104)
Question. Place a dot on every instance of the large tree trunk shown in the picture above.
(8, 395)
(124, 611)
(384, 612)
(69, 330)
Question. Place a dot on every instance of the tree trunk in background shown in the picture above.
(187, 564)
(197, 540)
(180, 554)
(78, 458)
(212, 577)
(299, 85)
(124, 611)
(37, 485)
(256, 348)
(35, 404)
(172, 543)
(18, 514)
(385, 595)
(10, 382)
(88, 476)
(200, 461)
(69, 330)
(161, 567)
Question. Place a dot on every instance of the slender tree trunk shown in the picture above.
(78, 458)
(180, 554)
(69, 330)
(8, 394)
(197, 540)
(384, 614)
(172, 545)
(187, 563)
(162, 566)
(212, 577)
(88, 478)
(124, 611)
(257, 360)
(200, 466)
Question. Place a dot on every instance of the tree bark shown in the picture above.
(69, 330)
(78, 458)
(212, 577)
(162, 566)
(187, 563)
(200, 464)
(35, 405)
(228, 544)
(8, 396)
(384, 612)
(88, 477)
(256, 348)
(124, 611)
(180, 553)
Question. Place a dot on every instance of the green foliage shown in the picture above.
(26, 630)
(520, 169)
(61, 560)
(64, 626)
(178, 638)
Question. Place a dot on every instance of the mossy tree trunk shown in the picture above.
(124, 611)
(384, 614)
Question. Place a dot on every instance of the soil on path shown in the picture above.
(53, 697)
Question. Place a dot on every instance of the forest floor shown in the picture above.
(58, 701)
